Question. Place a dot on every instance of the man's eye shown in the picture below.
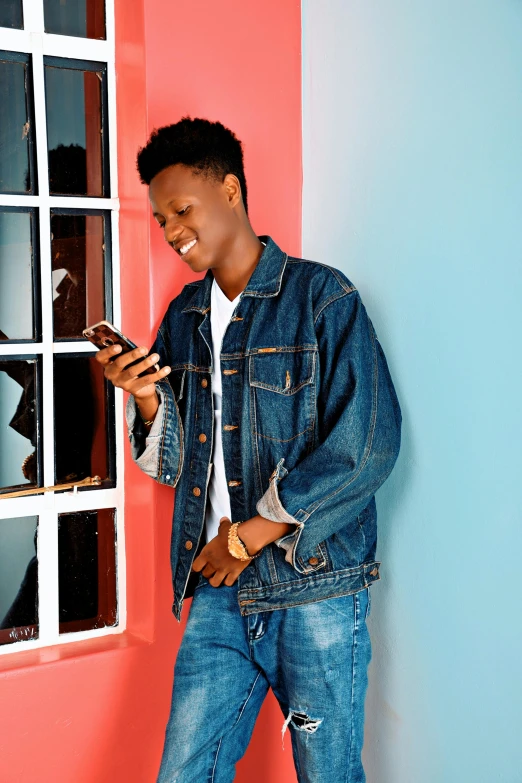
(182, 211)
(161, 225)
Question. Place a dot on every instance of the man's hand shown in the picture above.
(124, 377)
(216, 562)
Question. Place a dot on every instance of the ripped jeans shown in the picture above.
(315, 659)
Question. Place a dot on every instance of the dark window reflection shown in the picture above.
(78, 250)
(11, 14)
(15, 125)
(87, 570)
(16, 275)
(83, 18)
(18, 580)
(18, 423)
(83, 425)
(74, 130)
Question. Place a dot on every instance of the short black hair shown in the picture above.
(203, 145)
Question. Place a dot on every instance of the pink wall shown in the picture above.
(94, 712)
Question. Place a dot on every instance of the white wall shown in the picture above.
(412, 132)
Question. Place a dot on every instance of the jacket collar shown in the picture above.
(264, 281)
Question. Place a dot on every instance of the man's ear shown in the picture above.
(233, 190)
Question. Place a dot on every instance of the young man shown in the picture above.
(277, 423)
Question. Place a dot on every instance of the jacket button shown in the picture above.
(188, 544)
(196, 491)
(204, 383)
(202, 438)
(313, 561)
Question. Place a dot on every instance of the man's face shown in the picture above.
(198, 214)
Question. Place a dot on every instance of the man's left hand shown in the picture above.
(215, 561)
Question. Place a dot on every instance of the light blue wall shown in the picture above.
(412, 126)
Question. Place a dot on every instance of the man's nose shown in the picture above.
(173, 231)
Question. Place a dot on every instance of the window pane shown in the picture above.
(87, 570)
(84, 18)
(74, 130)
(18, 580)
(78, 255)
(15, 127)
(18, 423)
(16, 276)
(11, 14)
(84, 426)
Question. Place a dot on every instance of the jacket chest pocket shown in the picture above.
(283, 392)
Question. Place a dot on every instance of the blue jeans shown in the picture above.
(314, 657)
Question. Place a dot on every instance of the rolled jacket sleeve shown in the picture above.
(358, 433)
(160, 452)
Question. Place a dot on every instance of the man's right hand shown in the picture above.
(124, 377)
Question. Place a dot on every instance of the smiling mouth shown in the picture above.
(184, 249)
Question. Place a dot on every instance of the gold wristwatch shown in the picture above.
(235, 546)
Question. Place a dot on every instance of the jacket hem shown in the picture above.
(308, 590)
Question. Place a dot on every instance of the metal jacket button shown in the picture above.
(313, 560)
(204, 383)
(196, 491)
(202, 438)
(188, 544)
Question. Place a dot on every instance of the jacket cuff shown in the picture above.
(146, 447)
(270, 507)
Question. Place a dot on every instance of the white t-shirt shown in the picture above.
(218, 501)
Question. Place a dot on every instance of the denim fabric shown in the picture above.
(315, 658)
(311, 429)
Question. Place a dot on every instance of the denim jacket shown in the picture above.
(311, 429)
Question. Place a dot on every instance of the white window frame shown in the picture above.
(33, 40)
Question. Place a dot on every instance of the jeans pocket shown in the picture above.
(201, 582)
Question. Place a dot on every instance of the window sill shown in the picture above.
(44, 656)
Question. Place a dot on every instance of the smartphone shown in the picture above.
(104, 334)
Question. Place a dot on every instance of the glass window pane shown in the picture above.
(16, 275)
(87, 570)
(84, 18)
(11, 14)
(74, 130)
(18, 580)
(78, 256)
(84, 426)
(15, 128)
(19, 449)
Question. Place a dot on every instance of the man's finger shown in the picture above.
(105, 355)
(216, 580)
(131, 356)
(200, 561)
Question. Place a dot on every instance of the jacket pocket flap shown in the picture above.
(282, 371)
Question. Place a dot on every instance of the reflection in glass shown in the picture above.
(84, 18)
(77, 249)
(87, 570)
(18, 580)
(18, 423)
(15, 127)
(74, 130)
(11, 14)
(83, 441)
(16, 275)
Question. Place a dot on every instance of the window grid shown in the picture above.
(33, 40)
